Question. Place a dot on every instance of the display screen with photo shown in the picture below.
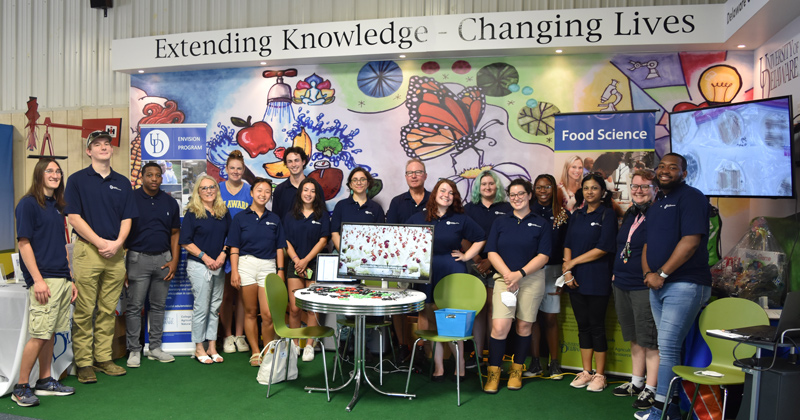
(386, 252)
(737, 150)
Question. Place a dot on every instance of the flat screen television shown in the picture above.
(737, 150)
(386, 252)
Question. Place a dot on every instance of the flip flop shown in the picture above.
(205, 360)
(217, 358)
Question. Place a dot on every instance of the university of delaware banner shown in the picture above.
(613, 144)
(180, 150)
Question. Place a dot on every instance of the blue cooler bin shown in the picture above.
(454, 322)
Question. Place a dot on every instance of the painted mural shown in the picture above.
(458, 116)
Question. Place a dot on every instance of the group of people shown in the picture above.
(524, 240)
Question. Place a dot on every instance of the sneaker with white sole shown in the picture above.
(645, 399)
(673, 413)
(23, 395)
(597, 384)
(50, 386)
(229, 344)
(241, 344)
(554, 369)
(628, 389)
(534, 369)
(581, 380)
(134, 359)
(308, 353)
(160, 355)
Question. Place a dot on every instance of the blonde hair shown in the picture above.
(196, 204)
(565, 174)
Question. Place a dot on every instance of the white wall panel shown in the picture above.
(60, 50)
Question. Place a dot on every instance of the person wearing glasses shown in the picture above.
(45, 268)
(487, 203)
(519, 247)
(632, 297)
(203, 232)
(235, 193)
(307, 228)
(549, 206)
(100, 208)
(451, 226)
(401, 208)
(588, 259)
(256, 242)
(358, 208)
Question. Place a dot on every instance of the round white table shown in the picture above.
(401, 302)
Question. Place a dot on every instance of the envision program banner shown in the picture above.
(180, 150)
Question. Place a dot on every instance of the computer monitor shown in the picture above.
(328, 270)
(386, 252)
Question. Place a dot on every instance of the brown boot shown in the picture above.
(86, 375)
(492, 381)
(515, 377)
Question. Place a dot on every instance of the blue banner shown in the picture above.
(173, 142)
(605, 131)
(7, 232)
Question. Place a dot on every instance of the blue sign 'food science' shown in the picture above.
(173, 142)
(605, 131)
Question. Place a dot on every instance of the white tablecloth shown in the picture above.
(14, 335)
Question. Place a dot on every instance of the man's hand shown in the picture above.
(41, 291)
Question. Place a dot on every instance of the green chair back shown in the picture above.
(460, 291)
(277, 300)
(729, 313)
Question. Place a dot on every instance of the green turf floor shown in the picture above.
(187, 390)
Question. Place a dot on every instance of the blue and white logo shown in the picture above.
(156, 143)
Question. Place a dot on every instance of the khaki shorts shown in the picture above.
(254, 270)
(52, 317)
(531, 292)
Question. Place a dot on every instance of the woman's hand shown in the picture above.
(300, 266)
(511, 279)
(209, 262)
(484, 266)
(568, 265)
(236, 279)
(458, 255)
(221, 260)
(569, 281)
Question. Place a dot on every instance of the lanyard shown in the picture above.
(626, 252)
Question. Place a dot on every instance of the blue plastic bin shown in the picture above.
(454, 322)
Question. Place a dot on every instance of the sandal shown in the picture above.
(204, 359)
(255, 360)
(217, 358)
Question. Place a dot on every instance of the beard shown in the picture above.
(669, 185)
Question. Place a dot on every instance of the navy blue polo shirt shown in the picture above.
(485, 217)
(681, 213)
(587, 231)
(158, 215)
(628, 276)
(44, 228)
(559, 233)
(208, 234)
(305, 233)
(348, 210)
(518, 241)
(283, 198)
(260, 237)
(403, 206)
(102, 202)
(448, 232)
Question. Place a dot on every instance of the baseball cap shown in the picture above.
(94, 135)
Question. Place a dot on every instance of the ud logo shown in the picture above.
(156, 143)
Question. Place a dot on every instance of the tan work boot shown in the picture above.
(86, 375)
(109, 368)
(515, 377)
(492, 381)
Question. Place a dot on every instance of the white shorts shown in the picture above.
(254, 270)
(551, 304)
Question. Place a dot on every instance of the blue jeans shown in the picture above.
(675, 307)
(207, 291)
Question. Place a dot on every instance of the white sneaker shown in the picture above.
(308, 353)
(160, 355)
(241, 344)
(229, 344)
(134, 359)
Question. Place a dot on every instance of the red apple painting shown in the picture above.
(256, 138)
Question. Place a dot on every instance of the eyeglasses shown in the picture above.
(415, 173)
(208, 188)
(517, 195)
(359, 180)
(543, 187)
(53, 171)
(643, 187)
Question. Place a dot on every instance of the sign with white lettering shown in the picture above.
(605, 131)
(473, 33)
(173, 142)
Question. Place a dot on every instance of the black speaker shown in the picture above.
(101, 4)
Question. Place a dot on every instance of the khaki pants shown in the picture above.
(99, 282)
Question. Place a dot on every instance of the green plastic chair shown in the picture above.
(278, 299)
(455, 291)
(722, 314)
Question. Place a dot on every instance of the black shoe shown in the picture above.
(439, 378)
(403, 353)
(534, 369)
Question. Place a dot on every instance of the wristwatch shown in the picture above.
(662, 273)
